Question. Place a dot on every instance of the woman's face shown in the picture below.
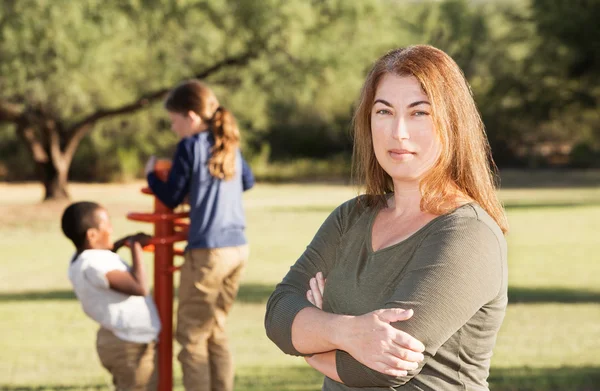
(404, 138)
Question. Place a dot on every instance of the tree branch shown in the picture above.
(82, 126)
(27, 134)
(54, 141)
(73, 141)
(10, 112)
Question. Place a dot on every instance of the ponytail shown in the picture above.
(227, 139)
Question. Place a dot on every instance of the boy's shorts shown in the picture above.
(131, 364)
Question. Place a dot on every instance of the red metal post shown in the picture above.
(163, 288)
(165, 235)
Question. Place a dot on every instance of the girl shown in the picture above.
(209, 169)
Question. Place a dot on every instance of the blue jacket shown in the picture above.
(216, 212)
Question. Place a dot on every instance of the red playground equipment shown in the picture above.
(169, 227)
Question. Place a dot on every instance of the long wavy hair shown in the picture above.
(193, 95)
(465, 166)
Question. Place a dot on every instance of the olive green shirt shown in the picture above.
(452, 272)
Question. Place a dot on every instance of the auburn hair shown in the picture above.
(193, 95)
(465, 166)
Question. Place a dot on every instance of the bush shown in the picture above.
(583, 155)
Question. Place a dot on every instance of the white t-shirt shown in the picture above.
(130, 318)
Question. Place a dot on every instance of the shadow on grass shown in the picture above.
(303, 378)
(549, 178)
(501, 379)
(75, 387)
(551, 295)
(249, 293)
(70, 387)
(37, 295)
(551, 205)
(255, 293)
(508, 206)
(545, 379)
(303, 209)
(259, 293)
(300, 378)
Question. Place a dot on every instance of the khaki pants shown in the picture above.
(131, 364)
(208, 287)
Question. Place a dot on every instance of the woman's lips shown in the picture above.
(401, 154)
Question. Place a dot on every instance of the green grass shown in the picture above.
(550, 339)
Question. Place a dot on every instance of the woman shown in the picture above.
(209, 169)
(427, 237)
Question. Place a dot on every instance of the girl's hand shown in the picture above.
(315, 293)
(150, 165)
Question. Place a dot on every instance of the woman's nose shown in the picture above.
(400, 130)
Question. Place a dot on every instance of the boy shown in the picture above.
(114, 295)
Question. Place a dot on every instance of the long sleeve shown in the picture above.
(173, 191)
(247, 176)
(289, 296)
(453, 273)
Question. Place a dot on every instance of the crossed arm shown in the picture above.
(299, 327)
(455, 272)
(401, 351)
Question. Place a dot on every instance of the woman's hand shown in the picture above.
(315, 293)
(371, 339)
(374, 342)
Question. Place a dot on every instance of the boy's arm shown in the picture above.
(120, 243)
(134, 282)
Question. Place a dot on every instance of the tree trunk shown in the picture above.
(54, 180)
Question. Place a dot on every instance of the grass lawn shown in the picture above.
(550, 339)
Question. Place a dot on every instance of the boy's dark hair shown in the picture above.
(77, 219)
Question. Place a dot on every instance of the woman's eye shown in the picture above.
(420, 113)
(382, 111)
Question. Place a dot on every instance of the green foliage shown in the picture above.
(533, 70)
(583, 155)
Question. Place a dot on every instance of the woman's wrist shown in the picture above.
(339, 327)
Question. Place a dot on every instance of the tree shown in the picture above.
(66, 65)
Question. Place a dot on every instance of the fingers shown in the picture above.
(320, 282)
(316, 293)
(404, 354)
(387, 369)
(399, 364)
(391, 364)
(391, 315)
(317, 287)
(407, 341)
(310, 298)
(402, 339)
